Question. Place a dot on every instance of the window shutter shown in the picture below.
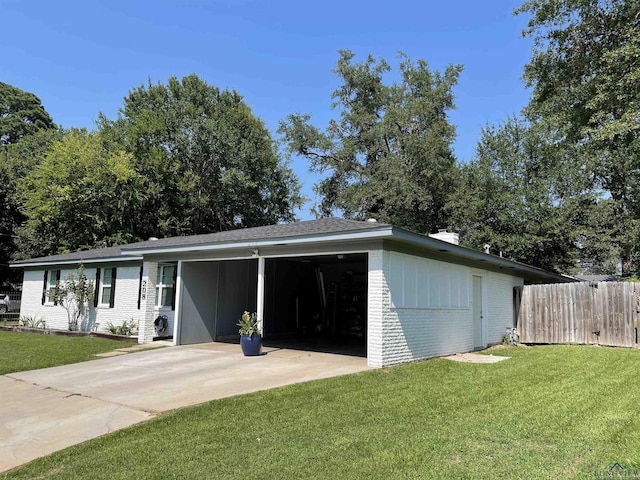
(55, 302)
(96, 292)
(44, 286)
(113, 287)
(173, 297)
(140, 287)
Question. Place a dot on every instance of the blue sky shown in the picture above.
(83, 57)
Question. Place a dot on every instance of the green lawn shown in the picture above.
(549, 412)
(28, 351)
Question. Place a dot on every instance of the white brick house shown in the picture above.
(392, 295)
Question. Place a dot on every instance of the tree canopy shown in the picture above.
(388, 155)
(207, 163)
(585, 67)
(181, 158)
(585, 76)
(523, 196)
(82, 194)
(22, 117)
(21, 114)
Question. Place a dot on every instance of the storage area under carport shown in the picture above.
(316, 302)
(214, 295)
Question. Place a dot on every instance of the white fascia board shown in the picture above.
(366, 235)
(467, 253)
(77, 262)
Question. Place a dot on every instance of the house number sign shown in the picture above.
(143, 290)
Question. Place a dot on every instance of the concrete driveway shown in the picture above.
(42, 411)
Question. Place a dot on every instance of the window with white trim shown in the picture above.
(106, 284)
(52, 278)
(165, 286)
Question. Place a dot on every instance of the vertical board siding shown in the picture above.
(604, 313)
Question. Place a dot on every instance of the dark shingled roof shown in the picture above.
(598, 278)
(323, 226)
(95, 254)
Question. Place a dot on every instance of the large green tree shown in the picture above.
(21, 114)
(24, 127)
(585, 80)
(388, 155)
(523, 196)
(82, 194)
(206, 162)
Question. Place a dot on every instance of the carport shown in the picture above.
(315, 302)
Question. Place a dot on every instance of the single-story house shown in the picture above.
(397, 296)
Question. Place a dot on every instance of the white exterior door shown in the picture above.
(478, 316)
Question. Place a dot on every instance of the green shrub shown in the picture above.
(32, 321)
(128, 327)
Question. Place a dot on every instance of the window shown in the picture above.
(166, 286)
(105, 287)
(51, 279)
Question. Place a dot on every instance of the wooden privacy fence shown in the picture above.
(604, 313)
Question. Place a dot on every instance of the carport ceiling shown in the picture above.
(331, 259)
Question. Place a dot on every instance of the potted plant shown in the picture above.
(250, 339)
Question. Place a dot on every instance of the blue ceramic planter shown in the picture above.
(251, 345)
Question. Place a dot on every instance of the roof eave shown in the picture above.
(47, 263)
(383, 232)
(474, 255)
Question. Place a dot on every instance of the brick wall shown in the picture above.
(125, 299)
(499, 301)
(411, 334)
(377, 290)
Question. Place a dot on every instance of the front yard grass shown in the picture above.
(29, 351)
(549, 412)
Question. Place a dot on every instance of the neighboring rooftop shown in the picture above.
(598, 278)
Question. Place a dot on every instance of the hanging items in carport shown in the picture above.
(353, 305)
(343, 305)
(317, 297)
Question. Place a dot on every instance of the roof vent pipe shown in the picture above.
(487, 248)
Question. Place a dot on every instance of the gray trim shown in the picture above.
(283, 241)
(450, 252)
(84, 261)
(311, 237)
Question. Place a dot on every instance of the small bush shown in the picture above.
(128, 327)
(29, 321)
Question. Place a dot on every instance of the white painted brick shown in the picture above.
(148, 303)
(375, 308)
(499, 304)
(125, 300)
(411, 334)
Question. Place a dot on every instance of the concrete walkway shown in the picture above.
(42, 411)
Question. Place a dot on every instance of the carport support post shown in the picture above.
(260, 295)
(378, 301)
(147, 302)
